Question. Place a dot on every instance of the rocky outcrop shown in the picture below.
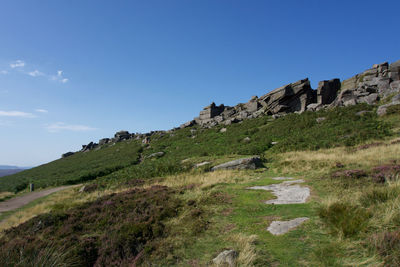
(327, 91)
(368, 87)
(239, 164)
(289, 98)
(381, 81)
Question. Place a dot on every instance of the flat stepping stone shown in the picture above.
(282, 227)
(288, 192)
(282, 178)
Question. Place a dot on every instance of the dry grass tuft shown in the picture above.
(246, 247)
(324, 160)
(5, 195)
(206, 179)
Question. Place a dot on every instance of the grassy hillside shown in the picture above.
(185, 217)
(251, 137)
(77, 168)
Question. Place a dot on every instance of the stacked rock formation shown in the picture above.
(378, 82)
(381, 81)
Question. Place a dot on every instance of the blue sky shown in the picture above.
(74, 71)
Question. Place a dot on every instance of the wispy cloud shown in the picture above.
(61, 126)
(20, 114)
(59, 77)
(17, 64)
(40, 110)
(36, 73)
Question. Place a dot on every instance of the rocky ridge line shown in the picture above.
(378, 82)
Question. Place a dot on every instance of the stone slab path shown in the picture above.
(282, 227)
(287, 192)
(18, 202)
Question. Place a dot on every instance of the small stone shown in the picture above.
(156, 155)
(363, 112)
(246, 139)
(320, 119)
(223, 130)
(201, 164)
(274, 143)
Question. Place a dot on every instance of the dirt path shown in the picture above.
(18, 202)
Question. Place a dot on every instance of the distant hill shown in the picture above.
(8, 167)
(5, 172)
(8, 170)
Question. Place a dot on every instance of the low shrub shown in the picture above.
(378, 195)
(344, 218)
(385, 173)
(114, 230)
(352, 174)
(387, 244)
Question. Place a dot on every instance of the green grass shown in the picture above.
(189, 225)
(292, 132)
(78, 168)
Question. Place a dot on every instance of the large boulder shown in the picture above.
(289, 98)
(239, 164)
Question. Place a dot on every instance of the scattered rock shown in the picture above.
(226, 257)
(88, 188)
(363, 112)
(320, 119)
(188, 124)
(67, 154)
(288, 192)
(246, 139)
(104, 141)
(156, 155)
(239, 164)
(282, 227)
(201, 164)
